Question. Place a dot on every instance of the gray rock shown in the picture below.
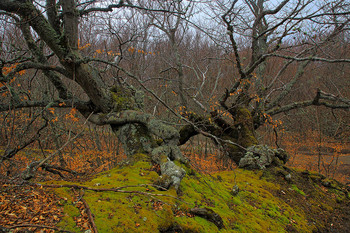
(262, 156)
(173, 171)
(235, 190)
(288, 177)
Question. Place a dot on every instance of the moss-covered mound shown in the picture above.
(266, 201)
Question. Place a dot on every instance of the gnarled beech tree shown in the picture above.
(51, 33)
(265, 31)
(115, 106)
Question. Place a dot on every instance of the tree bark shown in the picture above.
(234, 137)
(115, 106)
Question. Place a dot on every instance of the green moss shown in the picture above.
(243, 112)
(265, 212)
(244, 122)
(68, 224)
(122, 98)
(70, 211)
(195, 224)
(187, 167)
(256, 208)
(296, 189)
(118, 212)
(140, 157)
(158, 142)
(316, 177)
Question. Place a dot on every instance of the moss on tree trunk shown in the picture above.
(243, 134)
(136, 131)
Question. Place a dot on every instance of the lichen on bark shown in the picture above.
(237, 138)
(136, 131)
(123, 99)
(134, 138)
(262, 156)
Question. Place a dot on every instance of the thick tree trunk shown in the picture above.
(242, 134)
(233, 138)
(135, 138)
(237, 139)
(136, 131)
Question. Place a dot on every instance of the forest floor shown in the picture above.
(26, 207)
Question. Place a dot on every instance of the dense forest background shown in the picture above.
(192, 63)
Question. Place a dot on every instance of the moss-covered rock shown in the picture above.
(262, 156)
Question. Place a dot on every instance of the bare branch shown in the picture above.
(9, 153)
(317, 101)
(121, 4)
(287, 89)
(229, 28)
(33, 167)
(80, 105)
(311, 58)
(40, 57)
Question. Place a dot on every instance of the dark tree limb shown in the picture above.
(187, 132)
(56, 170)
(229, 28)
(156, 127)
(34, 65)
(9, 153)
(209, 215)
(68, 103)
(121, 4)
(333, 103)
(70, 18)
(48, 71)
(52, 15)
(88, 212)
(37, 20)
(224, 98)
(86, 76)
(117, 189)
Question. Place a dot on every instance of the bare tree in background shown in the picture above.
(271, 45)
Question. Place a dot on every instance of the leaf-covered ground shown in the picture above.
(28, 206)
(124, 200)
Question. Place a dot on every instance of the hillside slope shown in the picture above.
(124, 199)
